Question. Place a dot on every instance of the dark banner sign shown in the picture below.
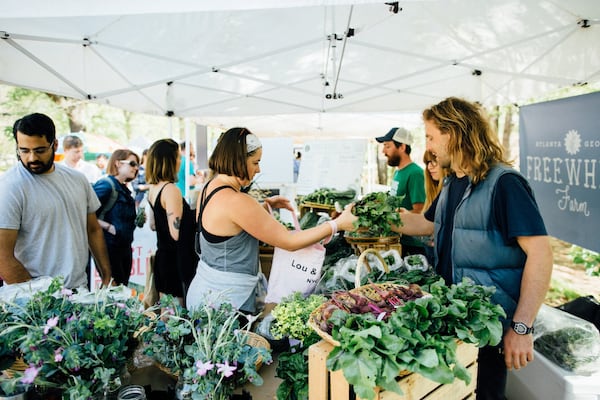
(560, 156)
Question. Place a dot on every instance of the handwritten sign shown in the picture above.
(560, 156)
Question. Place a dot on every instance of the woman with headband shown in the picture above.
(231, 224)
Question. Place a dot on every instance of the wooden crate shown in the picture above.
(327, 385)
(316, 208)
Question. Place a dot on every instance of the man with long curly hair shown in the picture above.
(487, 227)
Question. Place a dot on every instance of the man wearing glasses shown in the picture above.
(48, 218)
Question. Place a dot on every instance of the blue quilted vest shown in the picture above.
(478, 250)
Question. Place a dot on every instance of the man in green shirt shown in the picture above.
(408, 180)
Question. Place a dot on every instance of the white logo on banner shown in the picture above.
(572, 142)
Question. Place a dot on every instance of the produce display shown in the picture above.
(377, 213)
(379, 300)
(419, 336)
(340, 275)
(292, 315)
(330, 196)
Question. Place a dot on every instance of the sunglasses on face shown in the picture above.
(132, 164)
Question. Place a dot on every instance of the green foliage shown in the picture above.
(330, 196)
(419, 337)
(292, 314)
(293, 371)
(589, 259)
(309, 220)
(206, 347)
(291, 320)
(559, 294)
(571, 347)
(71, 344)
(377, 213)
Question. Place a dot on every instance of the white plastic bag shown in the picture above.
(568, 341)
(294, 271)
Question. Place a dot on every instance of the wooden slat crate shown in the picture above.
(315, 207)
(326, 385)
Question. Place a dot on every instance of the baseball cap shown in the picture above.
(399, 135)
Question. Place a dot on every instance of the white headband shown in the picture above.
(252, 143)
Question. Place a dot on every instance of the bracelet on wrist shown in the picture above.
(334, 227)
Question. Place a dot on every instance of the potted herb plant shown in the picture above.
(205, 348)
(75, 347)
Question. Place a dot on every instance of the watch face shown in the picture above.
(520, 328)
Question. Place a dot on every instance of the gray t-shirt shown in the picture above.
(50, 212)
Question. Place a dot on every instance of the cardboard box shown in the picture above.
(326, 385)
(543, 380)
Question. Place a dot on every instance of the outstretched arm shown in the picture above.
(255, 220)
(414, 224)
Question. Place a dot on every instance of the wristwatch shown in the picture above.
(520, 328)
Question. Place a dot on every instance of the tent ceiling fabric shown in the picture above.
(291, 67)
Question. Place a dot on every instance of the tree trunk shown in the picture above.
(127, 115)
(495, 120)
(74, 109)
(507, 131)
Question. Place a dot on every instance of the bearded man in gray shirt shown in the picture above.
(48, 220)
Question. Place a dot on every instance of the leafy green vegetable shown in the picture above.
(569, 347)
(293, 370)
(337, 249)
(309, 220)
(330, 196)
(419, 337)
(291, 319)
(377, 213)
(291, 316)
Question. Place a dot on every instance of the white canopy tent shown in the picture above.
(299, 67)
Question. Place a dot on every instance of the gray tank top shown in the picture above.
(237, 254)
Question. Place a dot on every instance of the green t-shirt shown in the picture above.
(410, 183)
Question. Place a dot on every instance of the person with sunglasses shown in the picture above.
(117, 212)
(231, 223)
(48, 220)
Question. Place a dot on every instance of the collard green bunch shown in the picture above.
(377, 212)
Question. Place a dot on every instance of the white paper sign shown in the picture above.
(336, 164)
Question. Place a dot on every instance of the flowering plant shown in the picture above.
(205, 347)
(71, 342)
